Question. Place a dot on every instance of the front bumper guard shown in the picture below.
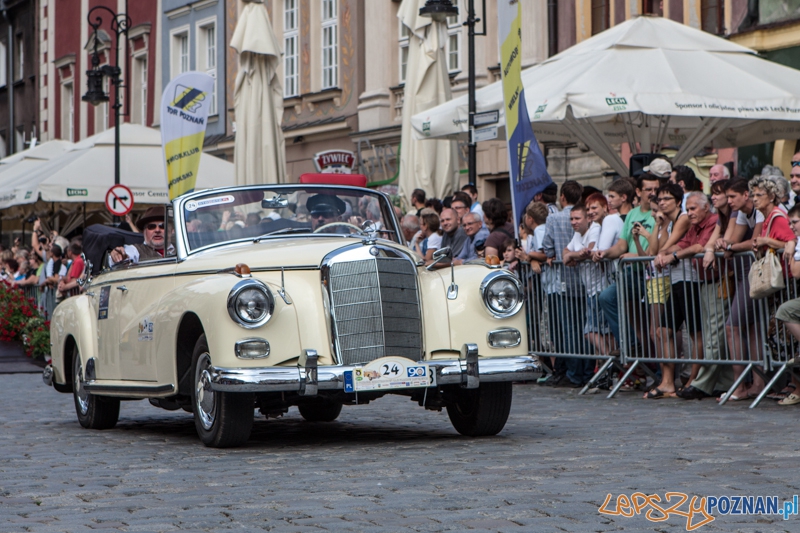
(308, 378)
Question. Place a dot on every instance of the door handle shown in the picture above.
(123, 288)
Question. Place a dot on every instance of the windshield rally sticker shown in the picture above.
(146, 329)
(194, 205)
(103, 304)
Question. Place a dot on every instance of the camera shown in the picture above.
(42, 239)
(31, 219)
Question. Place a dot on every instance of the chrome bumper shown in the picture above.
(307, 378)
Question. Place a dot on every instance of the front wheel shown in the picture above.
(222, 419)
(480, 412)
(320, 411)
(94, 412)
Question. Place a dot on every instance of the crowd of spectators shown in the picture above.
(649, 234)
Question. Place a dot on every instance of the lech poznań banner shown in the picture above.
(184, 114)
(528, 169)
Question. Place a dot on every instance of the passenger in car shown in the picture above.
(151, 224)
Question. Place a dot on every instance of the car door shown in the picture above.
(135, 302)
(102, 298)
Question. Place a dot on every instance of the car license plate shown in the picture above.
(389, 373)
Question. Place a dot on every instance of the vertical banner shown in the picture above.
(184, 114)
(528, 168)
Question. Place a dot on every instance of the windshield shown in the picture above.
(260, 212)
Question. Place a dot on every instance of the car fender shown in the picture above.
(74, 317)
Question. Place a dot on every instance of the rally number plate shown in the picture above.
(389, 373)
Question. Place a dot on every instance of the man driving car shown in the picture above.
(324, 209)
(151, 224)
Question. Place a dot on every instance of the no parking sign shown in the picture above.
(119, 200)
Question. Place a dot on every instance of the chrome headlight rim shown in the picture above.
(494, 277)
(237, 290)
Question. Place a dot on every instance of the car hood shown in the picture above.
(290, 252)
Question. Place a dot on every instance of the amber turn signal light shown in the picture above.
(242, 270)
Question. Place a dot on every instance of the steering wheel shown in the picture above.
(346, 224)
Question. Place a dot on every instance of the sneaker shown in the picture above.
(556, 379)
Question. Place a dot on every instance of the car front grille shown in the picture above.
(375, 309)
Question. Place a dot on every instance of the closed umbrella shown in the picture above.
(649, 82)
(259, 148)
(427, 165)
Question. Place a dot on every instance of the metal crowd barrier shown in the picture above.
(687, 314)
(43, 297)
(782, 346)
(566, 321)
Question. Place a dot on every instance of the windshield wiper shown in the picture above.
(279, 231)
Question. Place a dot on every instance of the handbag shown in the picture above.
(766, 275)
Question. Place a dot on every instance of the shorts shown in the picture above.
(658, 290)
(683, 306)
(789, 312)
(595, 321)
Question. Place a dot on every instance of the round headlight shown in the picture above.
(502, 294)
(250, 303)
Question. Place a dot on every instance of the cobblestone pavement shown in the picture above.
(389, 467)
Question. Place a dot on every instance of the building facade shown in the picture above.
(18, 75)
(66, 49)
(195, 39)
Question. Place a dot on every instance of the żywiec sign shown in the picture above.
(335, 162)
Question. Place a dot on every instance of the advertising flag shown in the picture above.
(528, 168)
(184, 114)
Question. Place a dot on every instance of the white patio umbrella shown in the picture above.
(16, 169)
(85, 172)
(259, 147)
(432, 165)
(650, 82)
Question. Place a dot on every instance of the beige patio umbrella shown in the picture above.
(259, 147)
(428, 165)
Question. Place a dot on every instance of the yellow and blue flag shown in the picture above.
(528, 168)
(184, 116)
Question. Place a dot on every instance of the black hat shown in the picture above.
(322, 204)
(153, 214)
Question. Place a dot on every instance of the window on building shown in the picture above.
(403, 43)
(67, 112)
(330, 44)
(3, 64)
(19, 48)
(3, 146)
(179, 54)
(600, 16)
(207, 58)
(139, 91)
(19, 139)
(291, 85)
(652, 7)
(101, 111)
(712, 15)
(453, 48)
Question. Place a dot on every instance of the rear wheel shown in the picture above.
(480, 412)
(222, 419)
(94, 412)
(320, 411)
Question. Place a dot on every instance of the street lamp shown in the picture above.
(439, 10)
(95, 94)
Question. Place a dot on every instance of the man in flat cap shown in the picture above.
(151, 224)
(325, 209)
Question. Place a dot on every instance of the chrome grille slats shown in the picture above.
(375, 308)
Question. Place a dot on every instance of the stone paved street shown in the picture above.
(388, 467)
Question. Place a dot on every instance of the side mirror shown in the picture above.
(86, 278)
(276, 202)
(441, 253)
(439, 256)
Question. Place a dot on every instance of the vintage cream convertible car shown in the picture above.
(306, 296)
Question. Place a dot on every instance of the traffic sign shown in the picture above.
(119, 200)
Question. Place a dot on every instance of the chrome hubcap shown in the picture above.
(81, 394)
(204, 395)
